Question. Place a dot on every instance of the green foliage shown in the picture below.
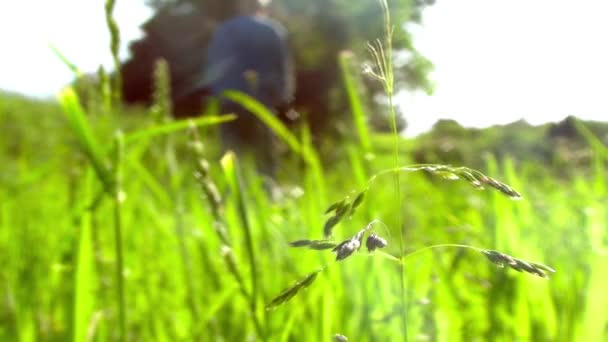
(566, 143)
(50, 198)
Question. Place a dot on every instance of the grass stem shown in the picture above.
(118, 198)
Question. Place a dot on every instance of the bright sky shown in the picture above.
(76, 28)
(496, 61)
(500, 61)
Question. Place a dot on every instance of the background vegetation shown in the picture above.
(319, 31)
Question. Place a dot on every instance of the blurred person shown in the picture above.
(248, 52)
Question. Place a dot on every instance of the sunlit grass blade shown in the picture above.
(176, 126)
(73, 68)
(78, 121)
(118, 197)
(354, 99)
(85, 284)
(231, 173)
(269, 119)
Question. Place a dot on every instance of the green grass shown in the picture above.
(122, 224)
(59, 262)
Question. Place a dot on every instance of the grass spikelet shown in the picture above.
(209, 188)
(335, 206)
(519, 265)
(314, 244)
(374, 241)
(290, 292)
(300, 243)
(233, 268)
(340, 213)
(347, 247)
(357, 201)
(340, 338)
(474, 177)
(341, 209)
(322, 245)
(329, 224)
(161, 108)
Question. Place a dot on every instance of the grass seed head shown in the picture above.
(374, 241)
(300, 243)
(357, 201)
(290, 292)
(340, 338)
(519, 265)
(330, 223)
(346, 248)
(322, 244)
(335, 206)
(313, 244)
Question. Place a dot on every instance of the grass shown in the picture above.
(107, 236)
(50, 197)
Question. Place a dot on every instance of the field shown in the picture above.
(106, 236)
(124, 224)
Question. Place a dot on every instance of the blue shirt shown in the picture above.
(249, 54)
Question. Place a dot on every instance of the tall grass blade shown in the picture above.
(84, 297)
(268, 118)
(175, 126)
(118, 197)
(351, 85)
(76, 116)
(73, 68)
(231, 173)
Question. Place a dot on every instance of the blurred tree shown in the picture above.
(319, 30)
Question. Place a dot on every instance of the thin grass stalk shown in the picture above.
(187, 266)
(162, 113)
(352, 86)
(230, 165)
(73, 68)
(384, 61)
(114, 46)
(211, 191)
(105, 89)
(118, 199)
(84, 282)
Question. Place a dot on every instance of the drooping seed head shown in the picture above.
(340, 338)
(346, 248)
(374, 241)
(519, 265)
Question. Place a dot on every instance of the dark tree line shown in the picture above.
(319, 31)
